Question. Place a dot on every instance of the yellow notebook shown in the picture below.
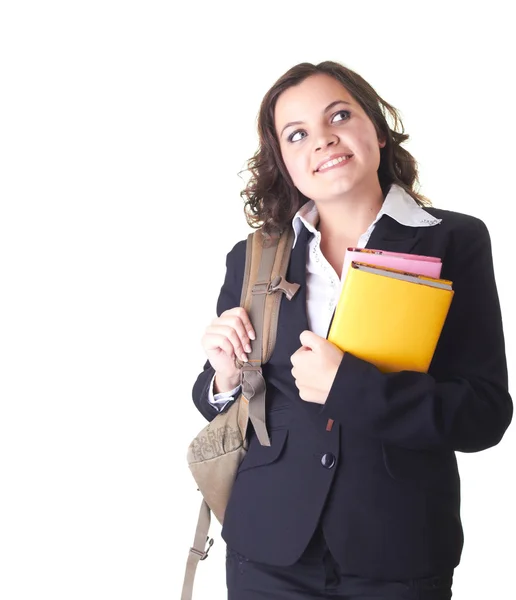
(390, 318)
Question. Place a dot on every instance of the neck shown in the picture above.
(348, 217)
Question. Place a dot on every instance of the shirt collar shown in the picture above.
(398, 204)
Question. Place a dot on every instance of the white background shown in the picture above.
(123, 129)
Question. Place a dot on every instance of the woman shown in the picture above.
(358, 495)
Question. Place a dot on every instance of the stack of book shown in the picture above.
(391, 309)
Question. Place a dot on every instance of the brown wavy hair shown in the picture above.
(271, 199)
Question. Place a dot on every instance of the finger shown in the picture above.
(240, 312)
(231, 335)
(218, 343)
(298, 373)
(301, 356)
(298, 381)
(310, 339)
(234, 320)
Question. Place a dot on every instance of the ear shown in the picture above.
(382, 142)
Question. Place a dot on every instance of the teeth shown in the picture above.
(335, 161)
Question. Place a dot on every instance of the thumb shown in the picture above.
(310, 339)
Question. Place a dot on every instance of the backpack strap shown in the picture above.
(195, 554)
(266, 266)
(265, 269)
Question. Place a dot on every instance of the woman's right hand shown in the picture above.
(225, 339)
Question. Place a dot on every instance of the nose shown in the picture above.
(324, 140)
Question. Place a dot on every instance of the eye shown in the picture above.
(292, 135)
(346, 116)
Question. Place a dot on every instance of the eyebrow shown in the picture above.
(329, 107)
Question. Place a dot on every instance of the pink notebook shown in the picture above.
(410, 263)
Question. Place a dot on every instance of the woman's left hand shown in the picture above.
(315, 365)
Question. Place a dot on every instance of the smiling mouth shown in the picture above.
(335, 162)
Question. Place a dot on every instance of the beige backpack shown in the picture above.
(217, 451)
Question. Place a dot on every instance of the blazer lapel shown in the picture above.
(293, 317)
(390, 235)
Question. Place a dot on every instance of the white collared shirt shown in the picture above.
(323, 284)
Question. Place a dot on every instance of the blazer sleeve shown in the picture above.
(463, 403)
(229, 297)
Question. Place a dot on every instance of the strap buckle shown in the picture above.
(203, 553)
(277, 284)
(262, 287)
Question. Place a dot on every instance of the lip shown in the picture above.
(333, 157)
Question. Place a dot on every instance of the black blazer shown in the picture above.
(384, 481)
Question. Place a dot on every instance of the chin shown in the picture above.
(338, 189)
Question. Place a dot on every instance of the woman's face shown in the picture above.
(318, 122)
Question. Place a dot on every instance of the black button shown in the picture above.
(328, 460)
